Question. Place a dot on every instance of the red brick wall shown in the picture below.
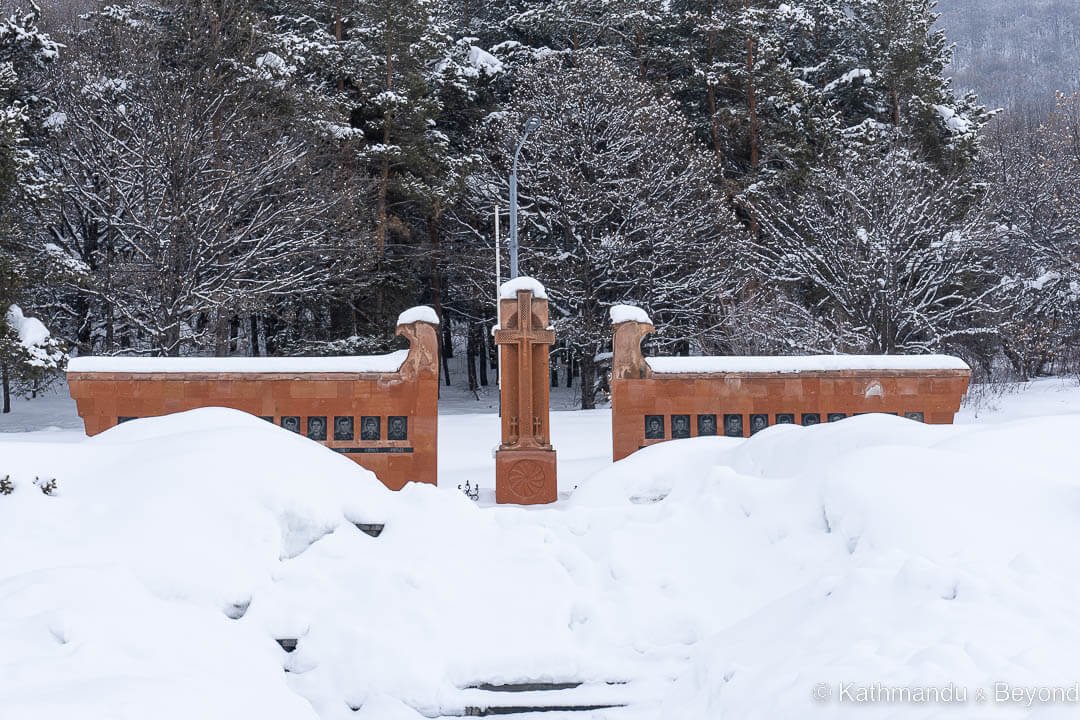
(689, 405)
(411, 393)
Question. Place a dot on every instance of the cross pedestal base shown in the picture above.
(525, 476)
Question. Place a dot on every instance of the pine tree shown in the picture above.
(907, 58)
(30, 358)
(25, 52)
(400, 83)
(754, 76)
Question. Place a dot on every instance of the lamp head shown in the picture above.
(531, 124)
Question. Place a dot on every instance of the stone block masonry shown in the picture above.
(658, 399)
(380, 411)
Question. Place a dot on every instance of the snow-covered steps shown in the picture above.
(553, 699)
(372, 529)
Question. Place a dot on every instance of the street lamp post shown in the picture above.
(531, 124)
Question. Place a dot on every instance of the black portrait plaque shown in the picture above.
(316, 427)
(706, 424)
(654, 427)
(733, 425)
(758, 422)
(123, 419)
(291, 423)
(811, 418)
(785, 418)
(370, 427)
(914, 416)
(397, 427)
(680, 426)
(833, 417)
(267, 418)
(343, 427)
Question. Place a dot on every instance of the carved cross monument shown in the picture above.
(525, 461)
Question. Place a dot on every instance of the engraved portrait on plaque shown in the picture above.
(343, 427)
(397, 427)
(654, 427)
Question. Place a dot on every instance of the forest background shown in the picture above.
(219, 177)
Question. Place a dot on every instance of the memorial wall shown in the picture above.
(666, 398)
(381, 411)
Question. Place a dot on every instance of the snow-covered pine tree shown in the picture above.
(402, 85)
(698, 58)
(30, 358)
(25, 51)
(634, 31)
(753, 76)
(906, 58)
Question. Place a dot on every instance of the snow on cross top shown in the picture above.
(628, 313)
(803, 363)
(509, 289)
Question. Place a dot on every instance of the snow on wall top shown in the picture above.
(803, 363)
(509, 289)
(420, 313)
(628, 313)
(348, 364)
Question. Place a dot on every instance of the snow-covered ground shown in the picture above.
(777, 577)
(469, 426)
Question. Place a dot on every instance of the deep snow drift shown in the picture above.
(717, 577)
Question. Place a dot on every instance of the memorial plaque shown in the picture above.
(785, 418)
(706, 424)
(680, 426)
(811, 418)
(654, 427)
(291, 423)
(758, 422)
(125, 419)
(733, 425)
(343, 427)
(316, 427)
(370, 427)
(397, 427)
(267, 418)
(918, 416)
(833, 417)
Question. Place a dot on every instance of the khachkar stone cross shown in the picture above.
(525, 461)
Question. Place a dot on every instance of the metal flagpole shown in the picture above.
(498, 309)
